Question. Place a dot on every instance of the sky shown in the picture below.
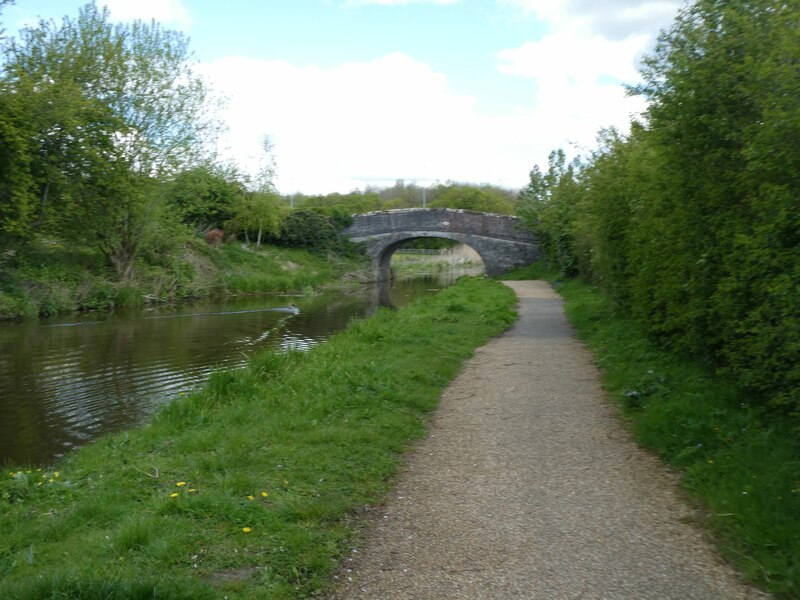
(362, 93)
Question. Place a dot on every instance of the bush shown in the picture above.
(691, 222)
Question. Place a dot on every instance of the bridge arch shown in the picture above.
(500, 240)
(384, 258)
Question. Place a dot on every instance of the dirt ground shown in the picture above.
(529, 487)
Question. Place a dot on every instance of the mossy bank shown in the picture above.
(244, 489)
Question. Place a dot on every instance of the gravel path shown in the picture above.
(529, 487)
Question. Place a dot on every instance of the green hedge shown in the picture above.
(692, 222)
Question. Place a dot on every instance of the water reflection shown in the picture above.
(64, 383)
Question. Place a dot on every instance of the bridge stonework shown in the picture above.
(500, 240)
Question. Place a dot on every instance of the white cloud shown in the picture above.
(368, 123)
(371, 122)
(358, 124)
(570, 56)
(614, 19)
(577, 70)
(170, 12)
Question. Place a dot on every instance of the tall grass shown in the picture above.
(740, 463)
(243, 489)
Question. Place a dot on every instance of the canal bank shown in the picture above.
(527, 486)
(48, 279)
(245, 488)
(66, 381)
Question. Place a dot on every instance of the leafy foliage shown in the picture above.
(257, 212)
(469, 197)
(692, 221)
(548, 206)
(97, 116)
(17, 197)
(205, 196)
(341, 207)
(308, 229)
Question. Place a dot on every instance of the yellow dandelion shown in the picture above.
(181, 483)
(246, 529)
(251, 497)
(264, 494)
(192, 490)
(174, 495)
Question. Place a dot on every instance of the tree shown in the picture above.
(17, 195)
(617, 179)
(724, 94)
(692, 221)
(548, 205)
(2, 4)
(109, 109)
(470, 197)
(402, 195)
(310, 230)
(206, 196)
(259, 213)
(341, 207)
(264, 180)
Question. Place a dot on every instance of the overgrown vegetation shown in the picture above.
(741, 465)
(691, 222)
(243, 489)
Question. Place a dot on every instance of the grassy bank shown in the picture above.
(741, 464)
(244, 489)
(406, 263)
(48, 279)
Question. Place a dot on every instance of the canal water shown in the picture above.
(65, 382)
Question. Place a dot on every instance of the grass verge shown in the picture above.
(242, 490)
(740, 464)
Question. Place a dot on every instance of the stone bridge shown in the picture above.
(500, 240)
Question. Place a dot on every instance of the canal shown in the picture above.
(65, 382)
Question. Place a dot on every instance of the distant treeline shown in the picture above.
(692, 221)
(485, 198)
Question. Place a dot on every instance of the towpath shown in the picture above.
(528, 487)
